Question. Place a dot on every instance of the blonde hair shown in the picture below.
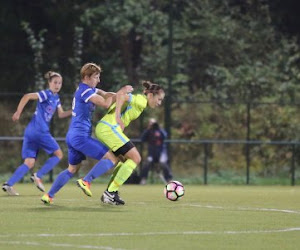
(153, 88)
(50, 74)
(89, 69)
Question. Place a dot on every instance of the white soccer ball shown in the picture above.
(174, 190)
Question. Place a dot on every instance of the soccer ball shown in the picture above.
(174, 190)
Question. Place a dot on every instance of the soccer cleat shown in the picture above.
(47, 199)
(112, 198)
(38, 182)
(9, 190)
(85, 187)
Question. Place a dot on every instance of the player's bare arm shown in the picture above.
(63, 114)
(24, 100)
(100, 101)
(121, 98)
(104, 94)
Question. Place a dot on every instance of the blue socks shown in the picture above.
(59, 182)
(18, 174)
(100, 168)
(48, 166)
(22, 170)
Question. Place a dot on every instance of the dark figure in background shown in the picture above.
(157, 151)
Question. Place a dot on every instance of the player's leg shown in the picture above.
(105, 164)
(116, 169)
(20, 172)
(50, 163)
(98, 169)
(60, 181)
(119, 143)
(95, 149)
(29, 153)
(48, 143)
(133, 158)
(75, 158)
(46, 168)
(121, 174)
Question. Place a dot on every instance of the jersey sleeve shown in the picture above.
(58, 103)
(87, 94)
(140, 101)
(42, 95)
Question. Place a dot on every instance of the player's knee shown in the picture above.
(59, 154)
(137, 159)
(134, 155)
(29, 162)
(110, 156)
(73, 168)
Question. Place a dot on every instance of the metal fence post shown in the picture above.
(247, 144)
(293, 165)
(169, 70)
(205, 163)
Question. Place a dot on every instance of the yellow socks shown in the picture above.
(121, 173)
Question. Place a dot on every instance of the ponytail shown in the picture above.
(50, 74)
(150, 87)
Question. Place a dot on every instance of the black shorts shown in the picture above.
(124, 149)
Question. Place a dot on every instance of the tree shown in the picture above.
(37, 46)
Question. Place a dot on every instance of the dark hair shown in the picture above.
(151, 88)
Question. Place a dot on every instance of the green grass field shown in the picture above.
(208, 217)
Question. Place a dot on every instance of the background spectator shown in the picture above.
(157, 151)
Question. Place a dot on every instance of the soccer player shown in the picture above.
(79, 140)
(37, 134)
(109, 130)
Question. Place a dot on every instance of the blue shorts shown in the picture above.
(81, 146)
(35, 140)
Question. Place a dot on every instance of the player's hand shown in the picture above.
(119, 121)
(16, 116)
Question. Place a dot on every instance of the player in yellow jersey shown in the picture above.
(109, 130)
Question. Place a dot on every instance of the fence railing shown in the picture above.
(206, 143)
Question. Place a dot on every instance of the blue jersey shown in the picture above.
(79, 140)
(45, 109)
(82, 111)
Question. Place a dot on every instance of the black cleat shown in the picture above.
(112, 198)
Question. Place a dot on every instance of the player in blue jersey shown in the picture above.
(79, 140)
(37, 135)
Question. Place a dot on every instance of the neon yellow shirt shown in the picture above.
(130, 111)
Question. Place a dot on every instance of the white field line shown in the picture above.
(246, 208)
(296, 229)
(31, 243)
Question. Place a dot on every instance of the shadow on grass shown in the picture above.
(5, 196)
(60, 208)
